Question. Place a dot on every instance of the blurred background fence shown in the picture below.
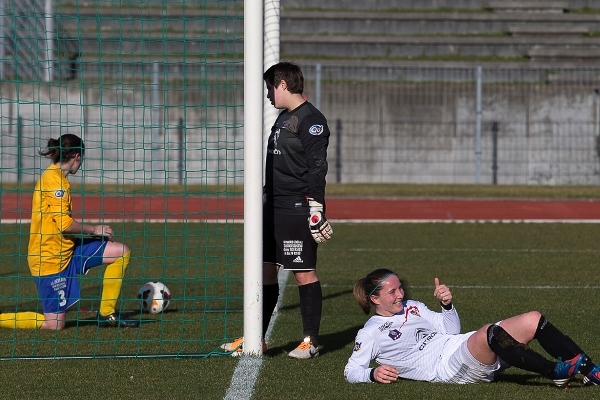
(418, 124)
(162, 121)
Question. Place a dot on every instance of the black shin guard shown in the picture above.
(311, 304)
(270, 296)
(557, 344)
(518, 354)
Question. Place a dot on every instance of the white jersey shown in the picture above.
(412, 341)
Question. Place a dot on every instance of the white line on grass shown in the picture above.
(569, 287)
(512, 287)
(483, 250)
(467, 221)
(246, 372)
(338, 221)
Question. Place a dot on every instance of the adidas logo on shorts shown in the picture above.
(298, 260)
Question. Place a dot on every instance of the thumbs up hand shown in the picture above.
(442, 292)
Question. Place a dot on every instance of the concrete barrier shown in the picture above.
(392, 130)
(536, 6)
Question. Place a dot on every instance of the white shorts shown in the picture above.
(457, 365)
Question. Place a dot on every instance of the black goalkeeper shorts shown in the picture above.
(287, 241)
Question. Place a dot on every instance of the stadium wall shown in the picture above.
(383, 130)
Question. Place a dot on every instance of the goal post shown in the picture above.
(253, 177)
(261, 50)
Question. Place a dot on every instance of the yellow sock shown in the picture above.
(111, 284)
(21, 320)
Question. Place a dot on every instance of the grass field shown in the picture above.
(494, 270)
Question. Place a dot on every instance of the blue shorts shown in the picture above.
(58, 292)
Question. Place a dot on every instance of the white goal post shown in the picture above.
(261, 49)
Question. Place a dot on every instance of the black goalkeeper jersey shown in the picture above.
(296, 162)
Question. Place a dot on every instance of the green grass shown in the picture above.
(494, 270)
(200, 263)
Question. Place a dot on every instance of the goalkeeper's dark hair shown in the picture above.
(368, 286)
(288, 72)
(64, 148)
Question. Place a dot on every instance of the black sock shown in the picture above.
(311, 304)
(270, 296)
(557, 344)
(518, 354)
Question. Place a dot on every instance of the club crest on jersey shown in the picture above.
(357, 346)
(395, 334)
(315, 130)
(413, 310)
(59, 194)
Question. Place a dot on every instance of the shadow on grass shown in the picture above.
(328, 297)
(338, 340)
(530, 379)
(327, 343)
(84, 317)
(93, 320)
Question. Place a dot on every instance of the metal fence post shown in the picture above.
(478, 128)
(495, 152)
(338, 151)
(19, 150)
(154, 122)
(181, 149)
(318, 86)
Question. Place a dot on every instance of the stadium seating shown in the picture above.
(488, 31)
(347, 31)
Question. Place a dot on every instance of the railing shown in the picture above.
(517, 124)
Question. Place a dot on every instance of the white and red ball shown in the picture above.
(154, 297)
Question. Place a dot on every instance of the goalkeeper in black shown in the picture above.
(294, 208)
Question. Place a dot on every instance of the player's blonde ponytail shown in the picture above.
(361, 296)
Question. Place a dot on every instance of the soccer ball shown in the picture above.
(154, 297)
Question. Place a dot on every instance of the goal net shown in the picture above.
(155, 90)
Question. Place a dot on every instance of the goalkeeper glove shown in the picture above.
(320, 228)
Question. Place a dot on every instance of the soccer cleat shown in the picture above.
(592, 377)
(114, 319)
(236, 347)
(565, 370)
(304, 350)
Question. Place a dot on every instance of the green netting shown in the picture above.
(154, 88)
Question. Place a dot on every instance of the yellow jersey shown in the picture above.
(49, 250)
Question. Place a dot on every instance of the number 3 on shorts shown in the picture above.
(63, 300)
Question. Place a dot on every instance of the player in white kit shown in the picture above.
(410, 341)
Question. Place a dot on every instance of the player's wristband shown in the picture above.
(447, 307)
(372, 375)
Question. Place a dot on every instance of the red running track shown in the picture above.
(198, 208)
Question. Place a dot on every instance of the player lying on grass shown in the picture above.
(408, 340)
(61, 248)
